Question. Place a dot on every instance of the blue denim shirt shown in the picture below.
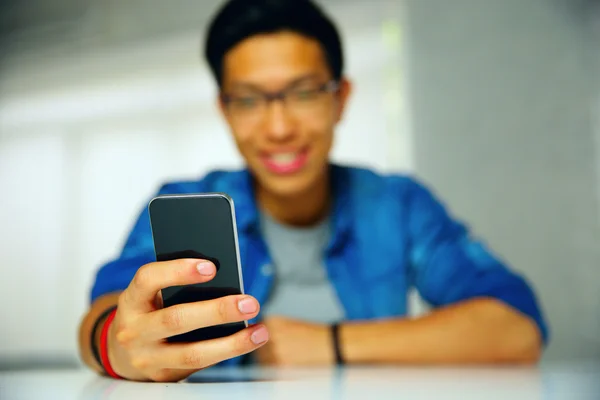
(389, 233)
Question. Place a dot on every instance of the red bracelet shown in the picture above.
(104, 346)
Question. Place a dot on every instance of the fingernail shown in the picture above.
(205, 268)
(247, 306)
(260, 335)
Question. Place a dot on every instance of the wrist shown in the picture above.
(111, 350)
(96, 335)
(118, 359)
(336, 340)
(104, 349)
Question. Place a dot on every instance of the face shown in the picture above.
(286, 140)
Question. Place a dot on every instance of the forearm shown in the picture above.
(85, 329)
(471, 332)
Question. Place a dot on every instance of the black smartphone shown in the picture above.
(199, 226)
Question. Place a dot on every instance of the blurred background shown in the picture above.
(493, 103)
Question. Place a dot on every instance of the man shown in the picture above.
(320, 244)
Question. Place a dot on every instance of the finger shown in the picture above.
(202, 354)
(151, 278)
(182, 318)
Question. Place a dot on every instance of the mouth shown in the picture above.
(284, 163)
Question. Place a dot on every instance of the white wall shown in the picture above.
(501, 99)
(87, 135)
(594, 54)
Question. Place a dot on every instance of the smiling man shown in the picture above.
(329, 251)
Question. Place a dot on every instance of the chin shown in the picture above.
(288, 186)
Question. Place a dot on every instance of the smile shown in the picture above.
(285, 162)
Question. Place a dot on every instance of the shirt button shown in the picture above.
(266, 270)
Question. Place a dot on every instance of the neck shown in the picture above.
(304, 209)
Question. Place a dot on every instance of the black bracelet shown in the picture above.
(335, 333)
(95, 350)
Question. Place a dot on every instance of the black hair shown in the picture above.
(240, 19)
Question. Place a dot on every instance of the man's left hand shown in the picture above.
(296, 343)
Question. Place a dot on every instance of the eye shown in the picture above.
(245, 101)
(304, 94)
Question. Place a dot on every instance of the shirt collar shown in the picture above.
(242, 192)
(247, 215)
(341, 211)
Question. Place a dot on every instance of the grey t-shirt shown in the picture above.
(302, 289)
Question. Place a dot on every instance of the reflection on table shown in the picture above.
(553, 381)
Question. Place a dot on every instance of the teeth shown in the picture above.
(284, 158)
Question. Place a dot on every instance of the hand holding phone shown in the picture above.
(153, 311)
(137, 344)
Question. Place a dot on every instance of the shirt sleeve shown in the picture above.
(448, 266)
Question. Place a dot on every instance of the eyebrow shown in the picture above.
(296, 81)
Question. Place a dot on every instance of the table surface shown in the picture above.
(572, 381)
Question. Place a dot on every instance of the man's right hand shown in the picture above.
(137, 344)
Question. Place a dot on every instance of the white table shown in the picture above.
(551, 381)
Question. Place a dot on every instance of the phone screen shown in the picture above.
(198, 226)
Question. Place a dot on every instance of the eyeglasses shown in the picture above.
(301, 100)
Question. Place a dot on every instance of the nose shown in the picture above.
(279, 123)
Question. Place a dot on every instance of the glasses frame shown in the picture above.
(331, 86)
